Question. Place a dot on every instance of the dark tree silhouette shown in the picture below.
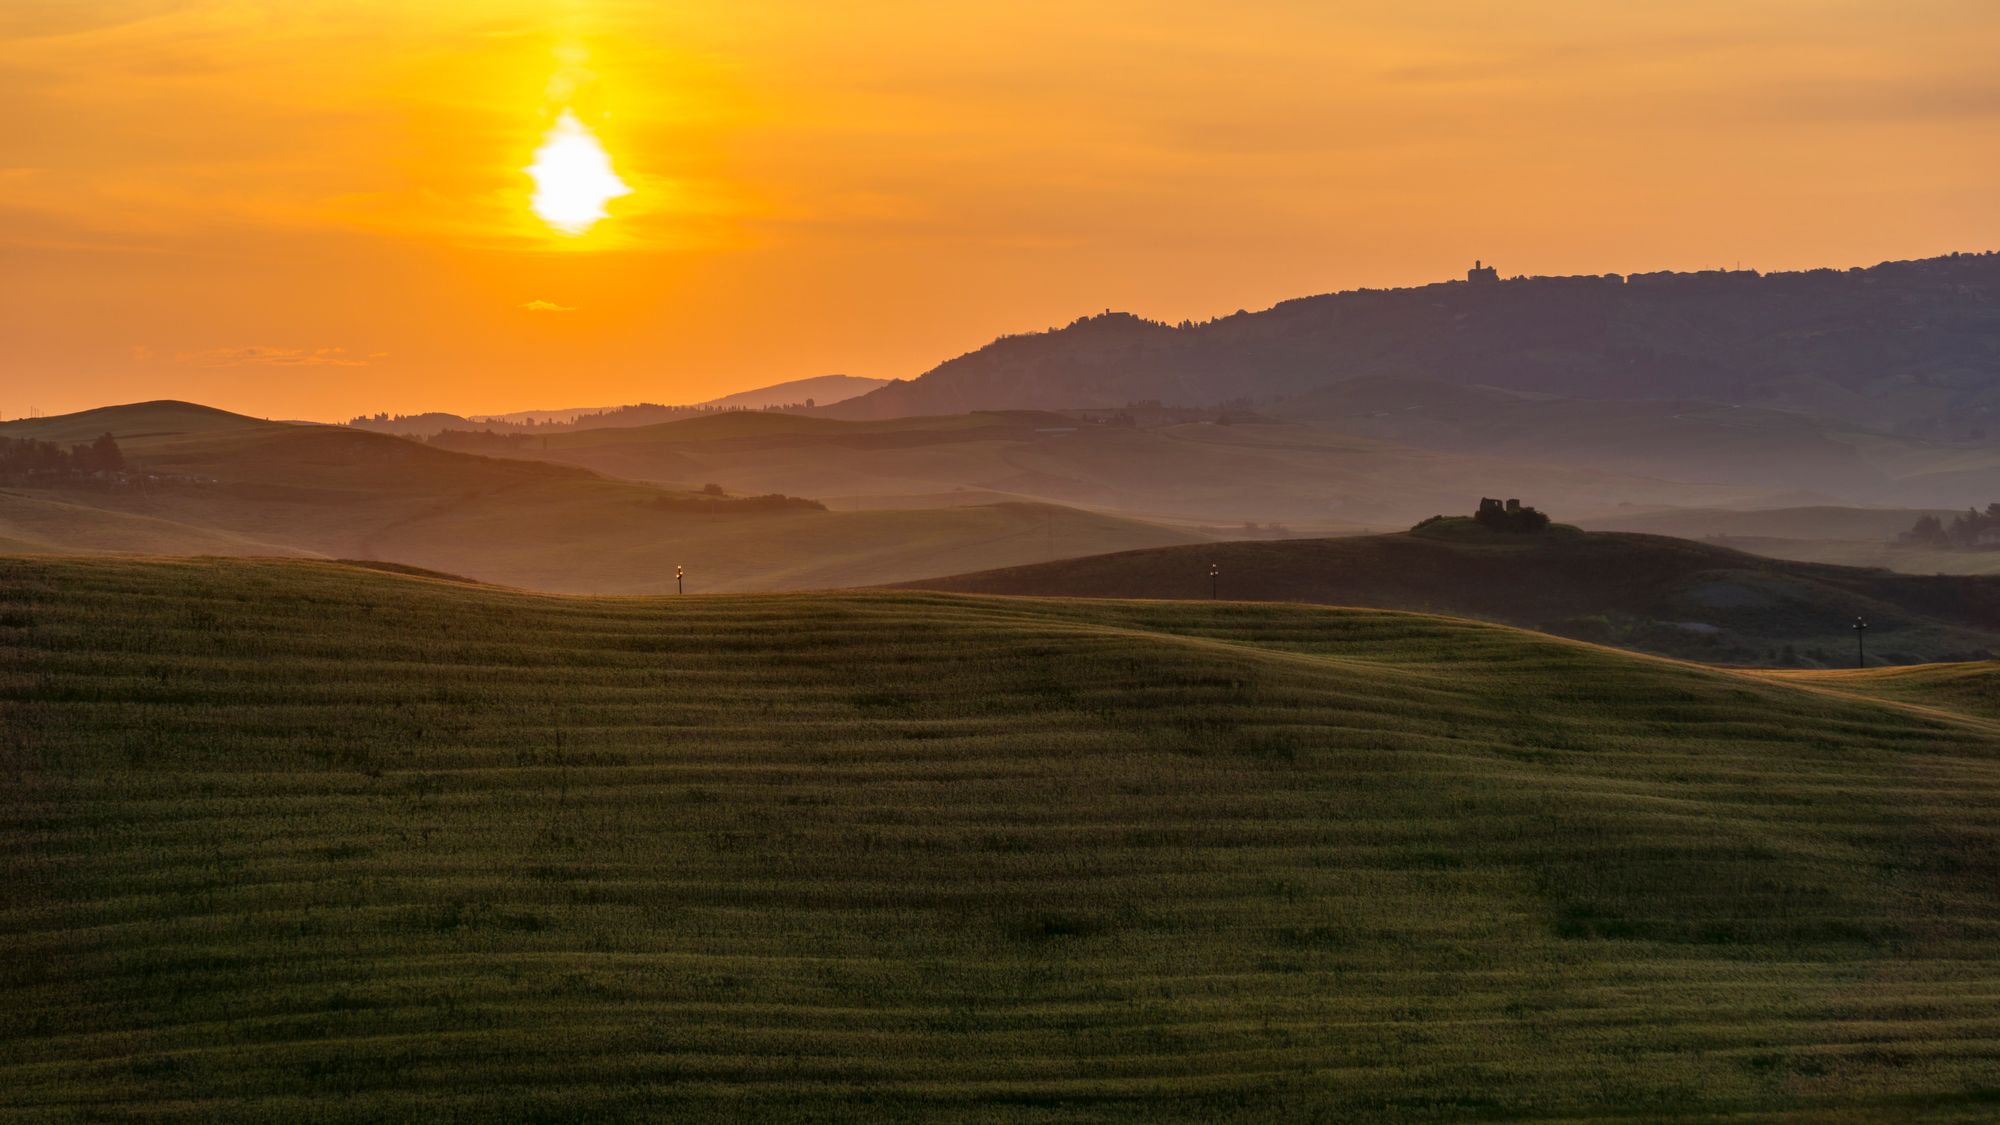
(26, 455)
(1969, 529)
(105, 454)
(1509, 516)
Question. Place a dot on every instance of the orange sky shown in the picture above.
(314, 208)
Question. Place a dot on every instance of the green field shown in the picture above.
(290, 839)
(1963, 689)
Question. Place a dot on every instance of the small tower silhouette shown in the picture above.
(1481, 272)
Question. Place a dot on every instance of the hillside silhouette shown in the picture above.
(1906, 346)
(1610, 397)
(204, 481)
(1212, 467)
(797, 394)
(1644, 592)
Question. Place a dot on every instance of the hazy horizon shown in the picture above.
(473, 413)
(1211, 651)
(313, 212)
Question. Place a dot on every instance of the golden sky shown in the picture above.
(315, 208)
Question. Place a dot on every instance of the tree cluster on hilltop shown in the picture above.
(1495, 515)
(27, 455)
(708, 505)
(1970, 528)
(1510, 516)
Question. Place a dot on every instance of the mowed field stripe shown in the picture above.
(296, 837)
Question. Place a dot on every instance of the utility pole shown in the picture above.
(1860, 643)
(678, 588)
(1213, 588)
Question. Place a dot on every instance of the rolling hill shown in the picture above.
(1904, 346)
(1868, 387)
(817, 390)
(1970, 689)
(1371, 451)
(1864, 537)
(208, 482)
(1876, 525)
(827, 389)
(1596, 395)
(1874, 553)
(1225, 470)
(149, 427)
(1813, 458)
(1643, 592)
(292, 839)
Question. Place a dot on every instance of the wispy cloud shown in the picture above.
(53, 17)
(546, 306)
(260, 356)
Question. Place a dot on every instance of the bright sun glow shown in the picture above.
(573, 177)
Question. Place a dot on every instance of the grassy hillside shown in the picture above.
(57, 521)
(1961, 689)
(1643, 592)
(290, 839)
(208, 482)
(138, 425)
(827, 389)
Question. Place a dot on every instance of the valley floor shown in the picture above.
(290, 839)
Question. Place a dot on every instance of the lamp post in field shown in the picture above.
(678, 588)
(1860, 643)
(1213, 588)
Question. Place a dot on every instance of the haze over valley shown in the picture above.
(1357, 412)
(551, 571)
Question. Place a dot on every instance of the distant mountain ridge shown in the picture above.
(818, 390)
(205, 481)
(1913, 346)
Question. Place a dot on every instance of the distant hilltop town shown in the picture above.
(1483, 274)
(1905, 346)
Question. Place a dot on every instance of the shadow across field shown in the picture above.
(1648, 593)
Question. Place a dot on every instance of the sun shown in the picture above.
(573, 177)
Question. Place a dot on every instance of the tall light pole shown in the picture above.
(1860, 643)
(678, 588)
(1213, 587)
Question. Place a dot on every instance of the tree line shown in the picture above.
(635, 414)
(27, 455)
(1970, 528)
